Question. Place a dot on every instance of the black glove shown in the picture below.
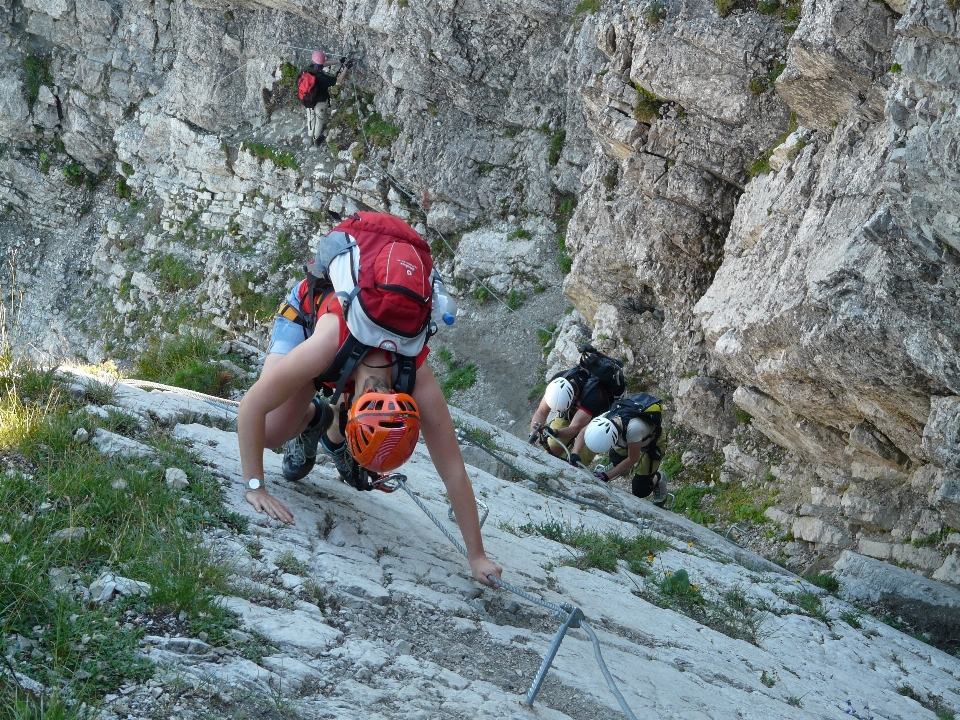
(343, 59)
(601, 476)
(349, 64)
(574, 459)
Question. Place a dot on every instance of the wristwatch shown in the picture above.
(254, 484)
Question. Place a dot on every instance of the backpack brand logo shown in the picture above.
(408, 266)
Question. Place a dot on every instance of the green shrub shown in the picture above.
(557, 140)
(895, 68)
(725, 6)
(758, 86)
(768, 7)
(74, 173)
(647, 107)
(121, 188)
(379, 131)
(36, 71)
(565, 206)
(480, 293)
(460, 378)
(657, 13)
(515, 299)
(519, 234)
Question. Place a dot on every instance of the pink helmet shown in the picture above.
(319, 57)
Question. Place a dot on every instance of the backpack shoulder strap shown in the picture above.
(347, 358)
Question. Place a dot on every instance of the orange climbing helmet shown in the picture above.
(382, 429)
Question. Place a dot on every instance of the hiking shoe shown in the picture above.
(300, 454)
(660, 489)
(347, 467)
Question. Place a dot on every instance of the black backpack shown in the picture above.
(604, 370)
(640, 406)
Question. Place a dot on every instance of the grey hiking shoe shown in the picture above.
(347, 467)
(660, 490)
(300, 454)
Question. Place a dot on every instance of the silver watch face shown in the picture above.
(253, 484)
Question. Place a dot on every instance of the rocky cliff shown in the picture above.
(756, 204)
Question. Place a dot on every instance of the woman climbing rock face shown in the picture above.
(314, 347)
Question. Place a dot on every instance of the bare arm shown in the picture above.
(634, 451)
(278, 382)
(540, 416)
(438, 432)
(580, 420)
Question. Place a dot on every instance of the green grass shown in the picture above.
(558, 139)
(810, 603)
(290, 563)
(564, 208)
(280, 158)
(121, 189)
(656, 13)
(545, 336)
(586, 6)
(457, 376)
(853, 618)
(515, 299)
(285, 254)
(258, 307)
(731, 613)
(725, 6)
(519, 234)
(379, 131)
(143, 532)
(36, 72)
(184, 361)
(647, 107)
(599, 549)
(175, 273)
(480, 294)
(824, 580)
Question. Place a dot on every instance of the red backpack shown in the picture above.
(380, 270)
(308, 89)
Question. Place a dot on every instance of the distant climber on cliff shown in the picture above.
(577, 395)
(632, 433)
(313, 91)
(357, 332)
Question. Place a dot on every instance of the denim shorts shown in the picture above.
(286, 334)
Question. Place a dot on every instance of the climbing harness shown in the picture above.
(572, 616)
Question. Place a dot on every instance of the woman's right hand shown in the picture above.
(264, 502)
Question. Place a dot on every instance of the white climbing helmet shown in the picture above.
(559, 394)
(601, 435)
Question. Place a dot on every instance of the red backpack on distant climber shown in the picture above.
(307, 89)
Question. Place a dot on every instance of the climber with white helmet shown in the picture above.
(313, 91)
(632, 433)
(577, 395)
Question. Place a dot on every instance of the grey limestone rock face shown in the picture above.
(836, 56)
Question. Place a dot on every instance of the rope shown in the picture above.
(413, 198)
(223, 403)
(572, 616)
